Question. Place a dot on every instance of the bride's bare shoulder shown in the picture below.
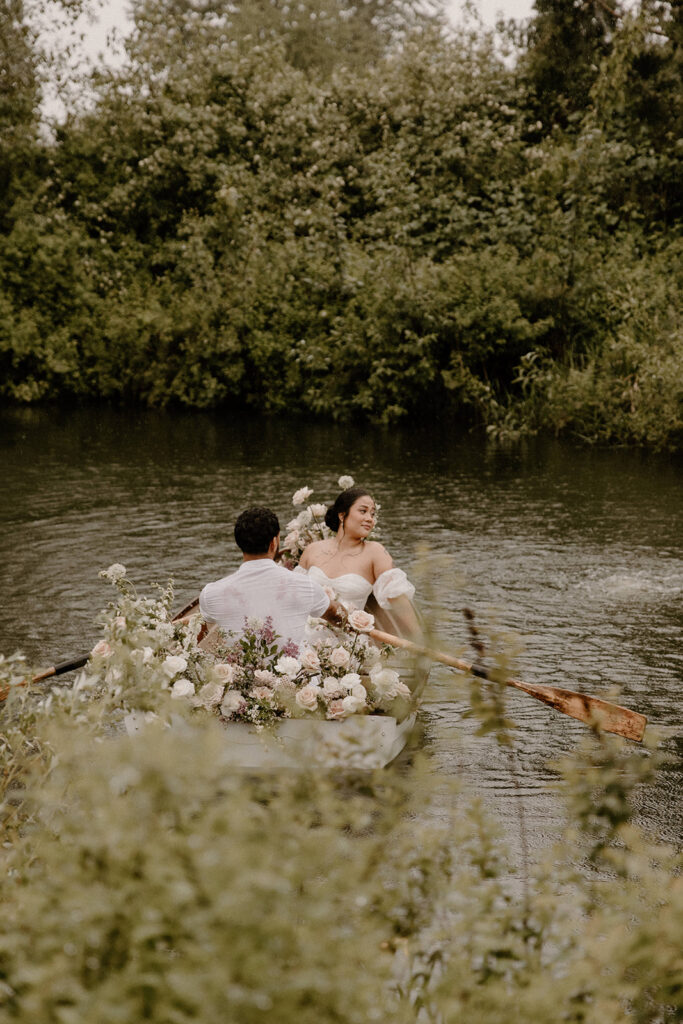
(381, 559)
(310, 552)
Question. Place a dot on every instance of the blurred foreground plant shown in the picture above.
(145, 879)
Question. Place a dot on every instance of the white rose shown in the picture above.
(226, 672)
(211, 694)
(302, 495)
(307, 697)
(102, 649)
(353, 704)
(310, 660)
(361, 621)
(304, 518)
(403, 691)
(182, 688)
(318, 510)
(288, 666)
(173, 664)
(233, 703)
(332, 687)
(291, 540)
(263, 693)
(350, 680)
(340, 657)
(264, 677)
(385, 682)
(115, 572)
(345, 482)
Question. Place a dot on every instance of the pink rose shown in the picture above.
(361, 621)
(340, 657)
(310, 660)
(336, 710)
(307, 697)
(102, 649)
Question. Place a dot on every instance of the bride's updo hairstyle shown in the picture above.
(342, 505)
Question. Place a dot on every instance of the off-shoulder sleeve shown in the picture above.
(300, 569)
(392, 583)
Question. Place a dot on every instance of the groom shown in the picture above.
(263, 589)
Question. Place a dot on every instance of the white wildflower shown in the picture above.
(345, 482)
(114, 573)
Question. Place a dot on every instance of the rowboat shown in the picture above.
(358, 742)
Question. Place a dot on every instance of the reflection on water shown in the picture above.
(579, 553)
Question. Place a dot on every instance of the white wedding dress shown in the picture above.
(354, 590)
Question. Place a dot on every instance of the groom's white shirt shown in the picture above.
(261, 589)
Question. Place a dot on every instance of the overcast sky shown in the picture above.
(114, 16)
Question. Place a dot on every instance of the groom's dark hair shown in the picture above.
(255, 529)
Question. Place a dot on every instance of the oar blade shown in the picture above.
(608, 717)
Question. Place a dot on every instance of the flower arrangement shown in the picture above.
(145, 655)
(334, 676)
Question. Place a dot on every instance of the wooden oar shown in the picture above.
(54, 670)
(610, 717)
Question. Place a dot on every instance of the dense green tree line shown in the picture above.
(355, 211)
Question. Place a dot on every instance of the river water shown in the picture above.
(577, 554)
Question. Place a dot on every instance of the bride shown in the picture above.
(356, 567)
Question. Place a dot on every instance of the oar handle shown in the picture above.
(582, 706)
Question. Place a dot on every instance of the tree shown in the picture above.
(566, 41)
(318, 35)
